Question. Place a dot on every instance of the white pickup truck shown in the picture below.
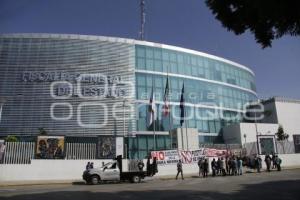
(112, 171)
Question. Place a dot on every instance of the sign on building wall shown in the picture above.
(106, 148)
(50, 147)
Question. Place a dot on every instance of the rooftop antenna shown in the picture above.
(143, 20)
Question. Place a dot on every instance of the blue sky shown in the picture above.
(184, 23)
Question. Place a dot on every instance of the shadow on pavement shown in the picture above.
(277, 190)
(78, 183)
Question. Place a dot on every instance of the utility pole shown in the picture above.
(143, 19)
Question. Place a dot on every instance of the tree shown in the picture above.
(281, 136)
(266, 19)
(11, 138)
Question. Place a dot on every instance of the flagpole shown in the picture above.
(154, 138)
(154, 118)
(168, 100)
(182, 143)
(182, 114)
(186, 131)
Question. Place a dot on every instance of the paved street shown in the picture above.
(275, 185)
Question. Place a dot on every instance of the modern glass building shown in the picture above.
(77, 85)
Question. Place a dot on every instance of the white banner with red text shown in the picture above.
(166, 157)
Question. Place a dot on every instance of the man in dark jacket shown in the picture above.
(179, 170)
(205, 168)
(268, 162)
(214, 167)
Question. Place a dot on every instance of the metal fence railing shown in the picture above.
(19, 152)
(285, 147)
(80, 151)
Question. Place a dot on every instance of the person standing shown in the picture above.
(154, 166)
(214, 167)
(222, 166)
(268, 162)
(140, 165)
(219, 168)
(278, 163)
(240, 166)
(179, 170)
(257, 163)
(199, 166)
(87, 166)
(205, 168)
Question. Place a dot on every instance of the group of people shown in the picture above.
(232, 165)
(272, 162)
(89, 165)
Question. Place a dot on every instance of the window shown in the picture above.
(140, 51)
(157, 54)
(173, 68)
(205, 126)
(140, 63)
(158, 65)
(173, 57)
(149, 53)
(142, 143)
(141, 80)
(150, 64)
(180, 58)
(165, 55)
(212, 128)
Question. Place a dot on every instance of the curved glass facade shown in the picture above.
(215, 89)
(208, 82)
(215, 94)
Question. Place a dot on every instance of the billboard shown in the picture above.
(50, 147)
(106, 148)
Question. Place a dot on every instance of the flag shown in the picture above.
(166, 108)
(151, 109)
(182, 106)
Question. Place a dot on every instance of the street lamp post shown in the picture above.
(124, 103)
(245, 136)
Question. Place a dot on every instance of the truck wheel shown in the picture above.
(94, 180)
(136, 179)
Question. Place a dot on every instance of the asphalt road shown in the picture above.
(283, 185)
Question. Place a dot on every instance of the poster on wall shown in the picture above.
(50, 147)
(2, 150)
(106, 148)
(297, 143)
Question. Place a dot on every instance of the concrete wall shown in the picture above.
(187, 138)
(262, 129)
(235, 132)
(289, 117)
(70, 170)
(46, 170)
